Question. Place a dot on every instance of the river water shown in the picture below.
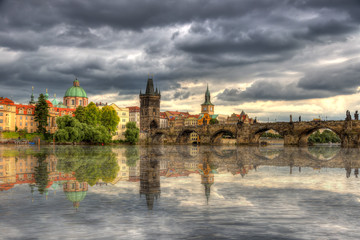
(179, 192)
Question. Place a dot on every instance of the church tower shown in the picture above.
(150, 107)
(207, 106)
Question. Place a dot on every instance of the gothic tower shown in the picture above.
(149, 107)
(207, 106)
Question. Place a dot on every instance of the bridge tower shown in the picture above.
(207, 106)
(150, 107)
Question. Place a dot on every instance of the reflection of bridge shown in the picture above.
(255, 156)
(294, 133)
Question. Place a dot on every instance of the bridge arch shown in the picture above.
(216, 137)
(158, 138)
(256, 136)
(184, 136)
(304, 136)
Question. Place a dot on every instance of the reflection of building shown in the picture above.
(150, 180)
(75, 191)
(150, 107)
(207, 176)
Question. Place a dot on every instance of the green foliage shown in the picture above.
(88, 163)
(71, 130)
(41, 172)
(132, 155)
(16, 135)
(131, 133)
(92, 115)
(271, 135)
(109, 118)
(41, 114)
(80, 114)
(214, 121)
(326, 136)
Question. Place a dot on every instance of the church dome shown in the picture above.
(75, 90)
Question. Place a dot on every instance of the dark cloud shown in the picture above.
(111, 46)
(329, 81)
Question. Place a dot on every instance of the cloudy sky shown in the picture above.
(269, 58)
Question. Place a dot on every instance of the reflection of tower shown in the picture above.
(207, 176)
(75, 191)
(150, 180)
(150, 107)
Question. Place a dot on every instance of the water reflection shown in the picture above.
(74, 168)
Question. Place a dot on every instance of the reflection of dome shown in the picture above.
(75, 191)
(75, 197)
(75, 91)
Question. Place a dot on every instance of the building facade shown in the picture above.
(134, 115)
(149, 107)
(7, 114)
(123, 114)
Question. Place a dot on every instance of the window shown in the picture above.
(1, 128)
(20, 117)
(123, 126)
(123, 120)
(20, 123)
(1, 114)
(1, 121)
(1, 167)
(124, 174)
(31, 123)
(26, 124)
(26, 117)
(1, 107)
(124, 114)
(32, 118)
(80, 102)
(72, 102)
(204, 108)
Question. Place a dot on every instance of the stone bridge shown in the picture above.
(294, 133)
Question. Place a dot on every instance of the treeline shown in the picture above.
(92, 125)
(326, 136)
(271, 135)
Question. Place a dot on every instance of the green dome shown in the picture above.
(76, 90)
(55, 102)
(75, 196)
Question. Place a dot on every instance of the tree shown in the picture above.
(109, 118)
(41, 114)
(88, 163)
(132, 156)
(71, 130)
(41, 172)
(213, 121)
(80, 114)
(92, 114)
(131, 133)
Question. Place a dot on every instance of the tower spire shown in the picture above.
(32, 101)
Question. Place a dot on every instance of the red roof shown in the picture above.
(6, 101)
(25, 108)
(163, 115)
(195, 116)
(179, 113)
(134, 109)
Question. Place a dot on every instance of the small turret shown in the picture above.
(32, 101)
